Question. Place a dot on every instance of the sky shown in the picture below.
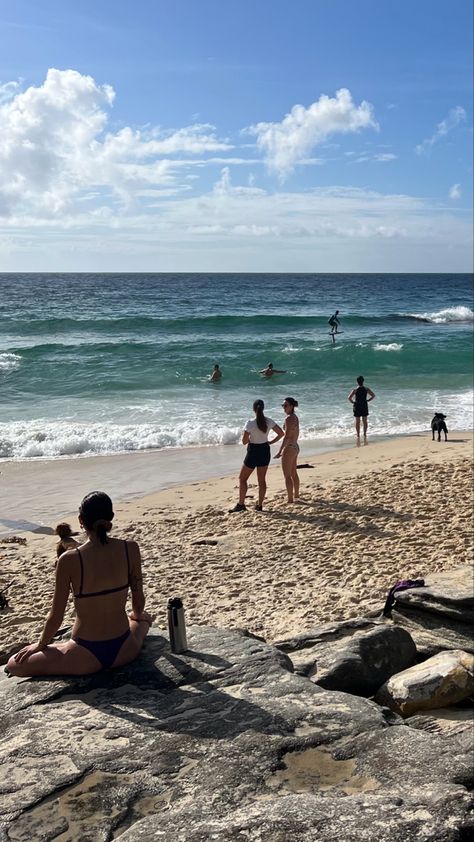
(234, 135)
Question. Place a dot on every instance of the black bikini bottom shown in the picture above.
(105, 651)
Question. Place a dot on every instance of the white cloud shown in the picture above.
(455, 116)
(287, 143)
(53, 147)
(385, 156)
(8, 90)
(455, 191)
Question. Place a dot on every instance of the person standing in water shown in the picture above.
(359, 398)
(289, 450)
(255, 436)
(216, 374)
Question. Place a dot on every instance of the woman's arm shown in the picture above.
(289, 423)
(56, 613)
(136, 581)
(278, 434)
(370, 392)
(245, 437)
(350, 397)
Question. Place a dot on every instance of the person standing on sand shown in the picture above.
(99, 573)
(359, 398)
(289, 450)
(215, 375)
(255, 436)
(269, 371)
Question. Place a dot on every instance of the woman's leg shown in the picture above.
(262, 484)
(132, 645)
(61, 659)
(357, 425)
(243, 484)
(296, 479)
(288, 464)
(365, 420)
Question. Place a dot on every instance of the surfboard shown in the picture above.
(339, 333)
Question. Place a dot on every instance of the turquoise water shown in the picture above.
(108, 363)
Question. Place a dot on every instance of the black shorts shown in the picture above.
(361, 413)
(258, 455)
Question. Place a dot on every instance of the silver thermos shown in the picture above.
(177, 625)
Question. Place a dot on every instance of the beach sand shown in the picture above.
(400, 508)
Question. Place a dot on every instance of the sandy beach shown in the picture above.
(368, 516)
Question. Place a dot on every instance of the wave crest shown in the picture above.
(447, 316)
(391, 346)
(9, 361)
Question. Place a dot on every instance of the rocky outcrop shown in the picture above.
(224, 742)
(357, 663)
(440, 615)
(440, 681)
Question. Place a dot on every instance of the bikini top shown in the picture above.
(81, 595)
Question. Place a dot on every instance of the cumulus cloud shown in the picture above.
(455, 191)
(287, 143)
(455, 116)
(54, 146)
(8, 90)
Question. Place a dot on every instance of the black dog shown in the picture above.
(438, 425)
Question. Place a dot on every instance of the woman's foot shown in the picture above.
(239, 507)
(258, 507)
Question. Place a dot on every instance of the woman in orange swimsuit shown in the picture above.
(99, 574)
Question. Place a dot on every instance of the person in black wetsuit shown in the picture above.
(359, 398)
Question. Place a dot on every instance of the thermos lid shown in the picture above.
(175, 602)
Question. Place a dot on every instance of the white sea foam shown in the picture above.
(8, 362)
(450, 314)
(392, 346)
(45, 438)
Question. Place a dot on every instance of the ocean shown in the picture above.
(112, 363)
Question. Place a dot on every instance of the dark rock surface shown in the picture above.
(355, 656)
(440, 615)
(222, 743)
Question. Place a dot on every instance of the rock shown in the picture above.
(359, 661)
(439, 616)
(224, 742)
(442, 680)
(444, 721)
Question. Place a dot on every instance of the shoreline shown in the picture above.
(368, 516)
(45, 491)
(146, 472)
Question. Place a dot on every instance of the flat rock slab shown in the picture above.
(224, 742)
(440, 615)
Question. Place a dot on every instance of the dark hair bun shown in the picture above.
(97, 513)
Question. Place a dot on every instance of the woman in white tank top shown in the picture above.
(255, 436)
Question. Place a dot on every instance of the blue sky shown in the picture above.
(322, 135)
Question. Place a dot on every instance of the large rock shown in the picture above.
(440, 615)
(440, 681)
(222, 743)
(354, 656)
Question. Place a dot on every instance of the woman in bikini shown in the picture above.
(99, 573)
(289, 450)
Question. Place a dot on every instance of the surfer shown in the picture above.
(334, 322)
(269, 371)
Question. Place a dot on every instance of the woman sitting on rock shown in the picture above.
(99, 573)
